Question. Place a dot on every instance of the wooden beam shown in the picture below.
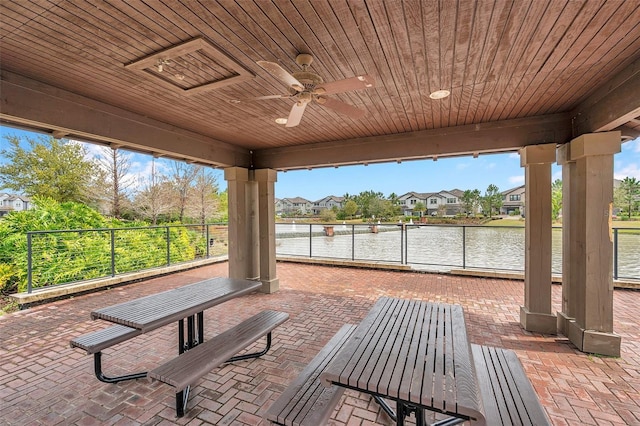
(614, 104)
(500, 136)
(628, 133)
(33, 104)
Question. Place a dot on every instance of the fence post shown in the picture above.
(405, 234)
(353, 242)
(168, 246)
(113, 252)
(401, 245)
(310, 240)
(29, 264)
(206, 230)
(615, 253)
(464, 247)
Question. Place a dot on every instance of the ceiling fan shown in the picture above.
(305, 86)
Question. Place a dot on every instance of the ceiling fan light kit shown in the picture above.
(306, 86)
(440, 94)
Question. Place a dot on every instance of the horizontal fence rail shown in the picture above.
(66, 256)
(438, 247)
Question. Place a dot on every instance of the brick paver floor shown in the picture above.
(44, 381)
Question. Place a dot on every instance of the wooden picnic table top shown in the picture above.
(413, 352)
(156, 310)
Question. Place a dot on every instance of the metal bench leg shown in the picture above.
(401, 413)
(385, 407)
(191, 333)
(97, 367)
(449, 422)
(200, 327)
(181, 401)
(253, 355)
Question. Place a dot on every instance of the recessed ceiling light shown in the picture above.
(439, 94)
(281, 120)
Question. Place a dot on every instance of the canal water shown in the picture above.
(436, 247)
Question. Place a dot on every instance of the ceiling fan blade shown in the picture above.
(341, 107)
(353, 83)
(280, 73)
(258, 98)
(296, 114)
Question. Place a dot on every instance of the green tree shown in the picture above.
(380, 208)
(556, 199)
(364, 199)
(470, 201)
(396, 209)
(627, 195)
(419, 208)
(327, 216)
(350, 208)
(223, 207)
(48, 168)
(492, 200)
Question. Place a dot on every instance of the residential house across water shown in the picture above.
(443, 203)
(11, 202)
(513, 201)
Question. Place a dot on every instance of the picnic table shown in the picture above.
(415, 353)
(187, 302)
(195, 356)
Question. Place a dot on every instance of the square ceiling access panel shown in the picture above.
(192, 67)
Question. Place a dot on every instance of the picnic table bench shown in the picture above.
(306, 402)
(507, 395)
(95, 342)
(190, 366)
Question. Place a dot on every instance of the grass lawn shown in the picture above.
(635, 224)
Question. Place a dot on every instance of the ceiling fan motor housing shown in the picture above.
(308, 79)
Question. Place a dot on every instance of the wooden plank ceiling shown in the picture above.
(509, 65)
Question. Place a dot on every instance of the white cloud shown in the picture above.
(630, 170)
(514, 155)
(516, 180)
(631, 146)
(491, 166)
(462, 166)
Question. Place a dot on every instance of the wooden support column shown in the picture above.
(240, 255)
(253, 239)
(266, 179)
(536, 314)
(570, 249)
(592, 249)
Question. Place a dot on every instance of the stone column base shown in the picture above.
(594, 342)
(270, 286)
(538, 322)
(563, 323)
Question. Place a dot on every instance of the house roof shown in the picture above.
(331, 198)
(297, 200)
(166, 79)
(509, 191)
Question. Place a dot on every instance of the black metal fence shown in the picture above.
(439, 247)
(61, 257)
(66, 256)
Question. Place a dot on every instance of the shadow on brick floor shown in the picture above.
(44, 381)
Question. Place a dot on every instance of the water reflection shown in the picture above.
(438, 247)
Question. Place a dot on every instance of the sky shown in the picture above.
(502, 170)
